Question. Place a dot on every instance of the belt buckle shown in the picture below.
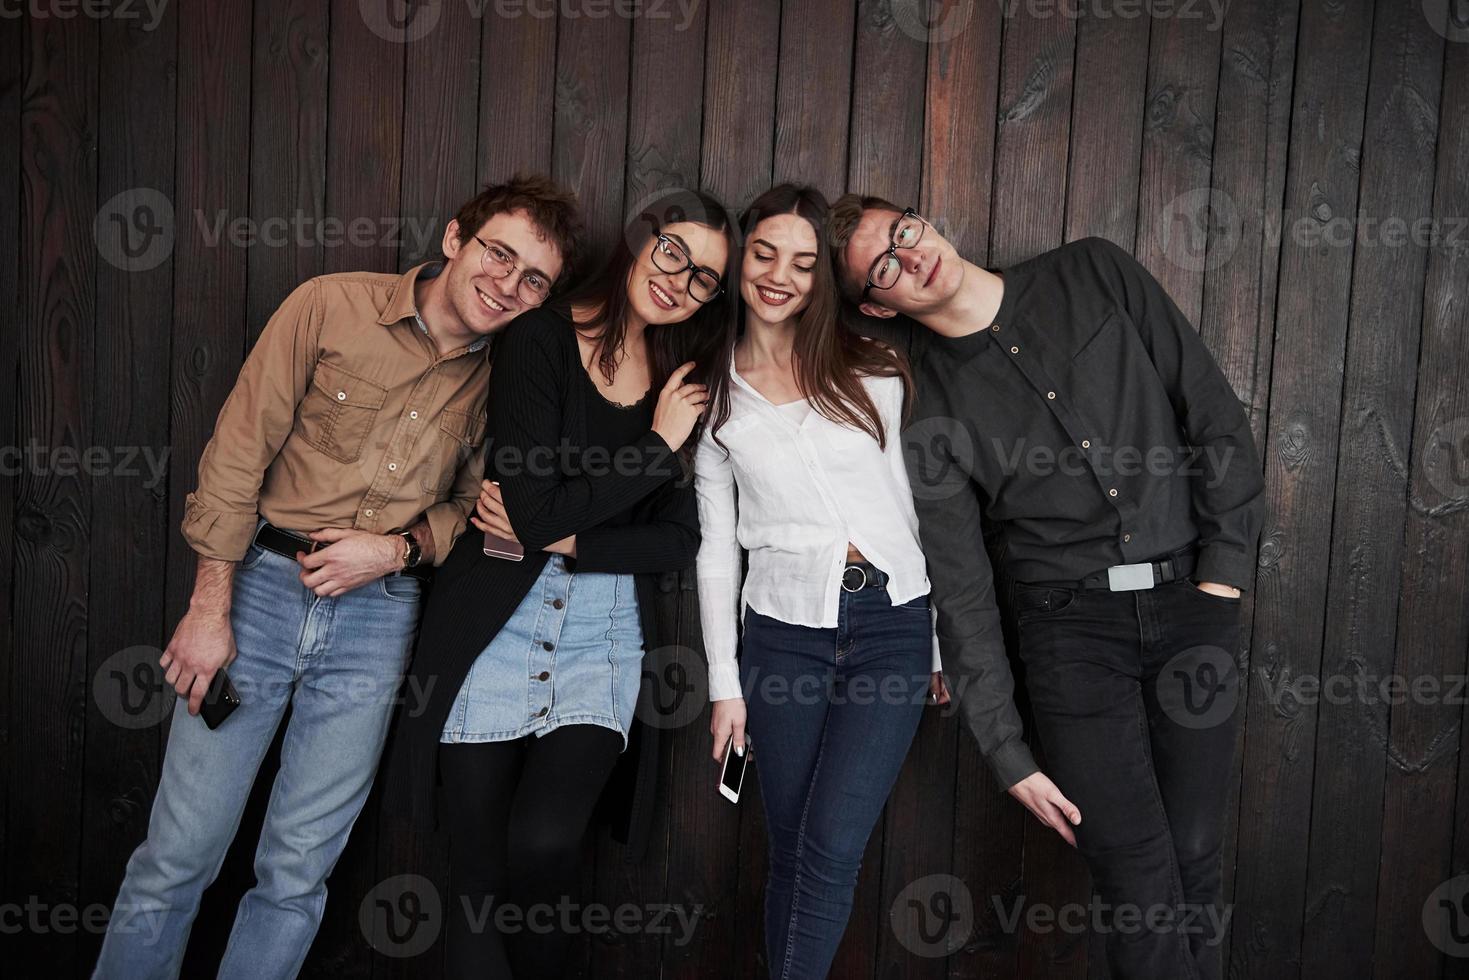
(1130, 578)
(860, 570)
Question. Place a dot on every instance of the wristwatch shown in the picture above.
(414, 553)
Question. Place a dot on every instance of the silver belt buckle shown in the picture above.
(861, 570)
(1130, 578)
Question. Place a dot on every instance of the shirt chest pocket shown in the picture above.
(339, 412)
(457, 436)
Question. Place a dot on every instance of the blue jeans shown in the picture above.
(830, 715)
(337, 663)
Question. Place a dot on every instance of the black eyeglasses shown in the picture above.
(885, 269)
(533, 287)
(671, 257)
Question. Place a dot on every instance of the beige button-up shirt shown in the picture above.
(345, 415)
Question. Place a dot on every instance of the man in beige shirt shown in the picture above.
(343, 465)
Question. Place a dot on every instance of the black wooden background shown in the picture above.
(139, 152)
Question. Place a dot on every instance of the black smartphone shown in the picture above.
(219, 701)
(732, 775)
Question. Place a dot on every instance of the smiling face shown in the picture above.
(655, 296)
(778, 268)
(931, 270)
(484, 304)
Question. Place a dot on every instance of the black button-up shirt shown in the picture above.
(1089, 426)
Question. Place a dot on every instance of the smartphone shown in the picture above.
(732, 773)
(219, 701)
(498, 547)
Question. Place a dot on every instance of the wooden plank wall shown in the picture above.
(1261, 157)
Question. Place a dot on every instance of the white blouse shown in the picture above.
(807, 486)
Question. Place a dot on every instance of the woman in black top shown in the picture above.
(531, 668)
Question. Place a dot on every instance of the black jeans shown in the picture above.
(1135, 697)
(516, 812)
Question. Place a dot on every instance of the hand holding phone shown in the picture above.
(220, 700)
(732, 772)
(489, 509)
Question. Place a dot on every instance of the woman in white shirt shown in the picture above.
(801, 464)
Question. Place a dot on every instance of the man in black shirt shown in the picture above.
(1068, 404)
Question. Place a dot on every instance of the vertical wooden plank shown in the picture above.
(589, 152)
(740, 74)
(365, 125)
(440, 119)
(740, 80)
(1367, 534)
(1032, 142)
(1032, 136)
(517, 94)
(12, 34)
(211, 178)
(813, 93)
(288, 81)
(1422, 884)
(1107, 117)
(914, 837)
(1233, 233)
(1300, 461)
(57, 271)
(129, 419)
(958, 169)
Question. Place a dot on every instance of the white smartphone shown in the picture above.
(732, 772)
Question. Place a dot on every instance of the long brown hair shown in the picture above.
(830, 358)
(700, 338)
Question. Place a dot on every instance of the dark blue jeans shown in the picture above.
(831, 713)
(1135, 697)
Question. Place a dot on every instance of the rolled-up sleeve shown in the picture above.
(220, 515)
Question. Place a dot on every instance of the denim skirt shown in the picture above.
(571, 654)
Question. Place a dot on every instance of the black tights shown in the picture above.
(516, 813)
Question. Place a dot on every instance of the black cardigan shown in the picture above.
(537, 399)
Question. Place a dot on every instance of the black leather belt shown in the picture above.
(859, 575)
(272, 538)
(1143, 575)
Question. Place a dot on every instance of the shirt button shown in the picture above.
(995, 327)
(1126, 538)
(1015, 350)
(543, 675)
(392, 466)
(1051, 395)
(413, 415)
(341, 396)
(557, 604)
(548, 645)
(1086, 444)
(368, 512)
(1112, 492)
